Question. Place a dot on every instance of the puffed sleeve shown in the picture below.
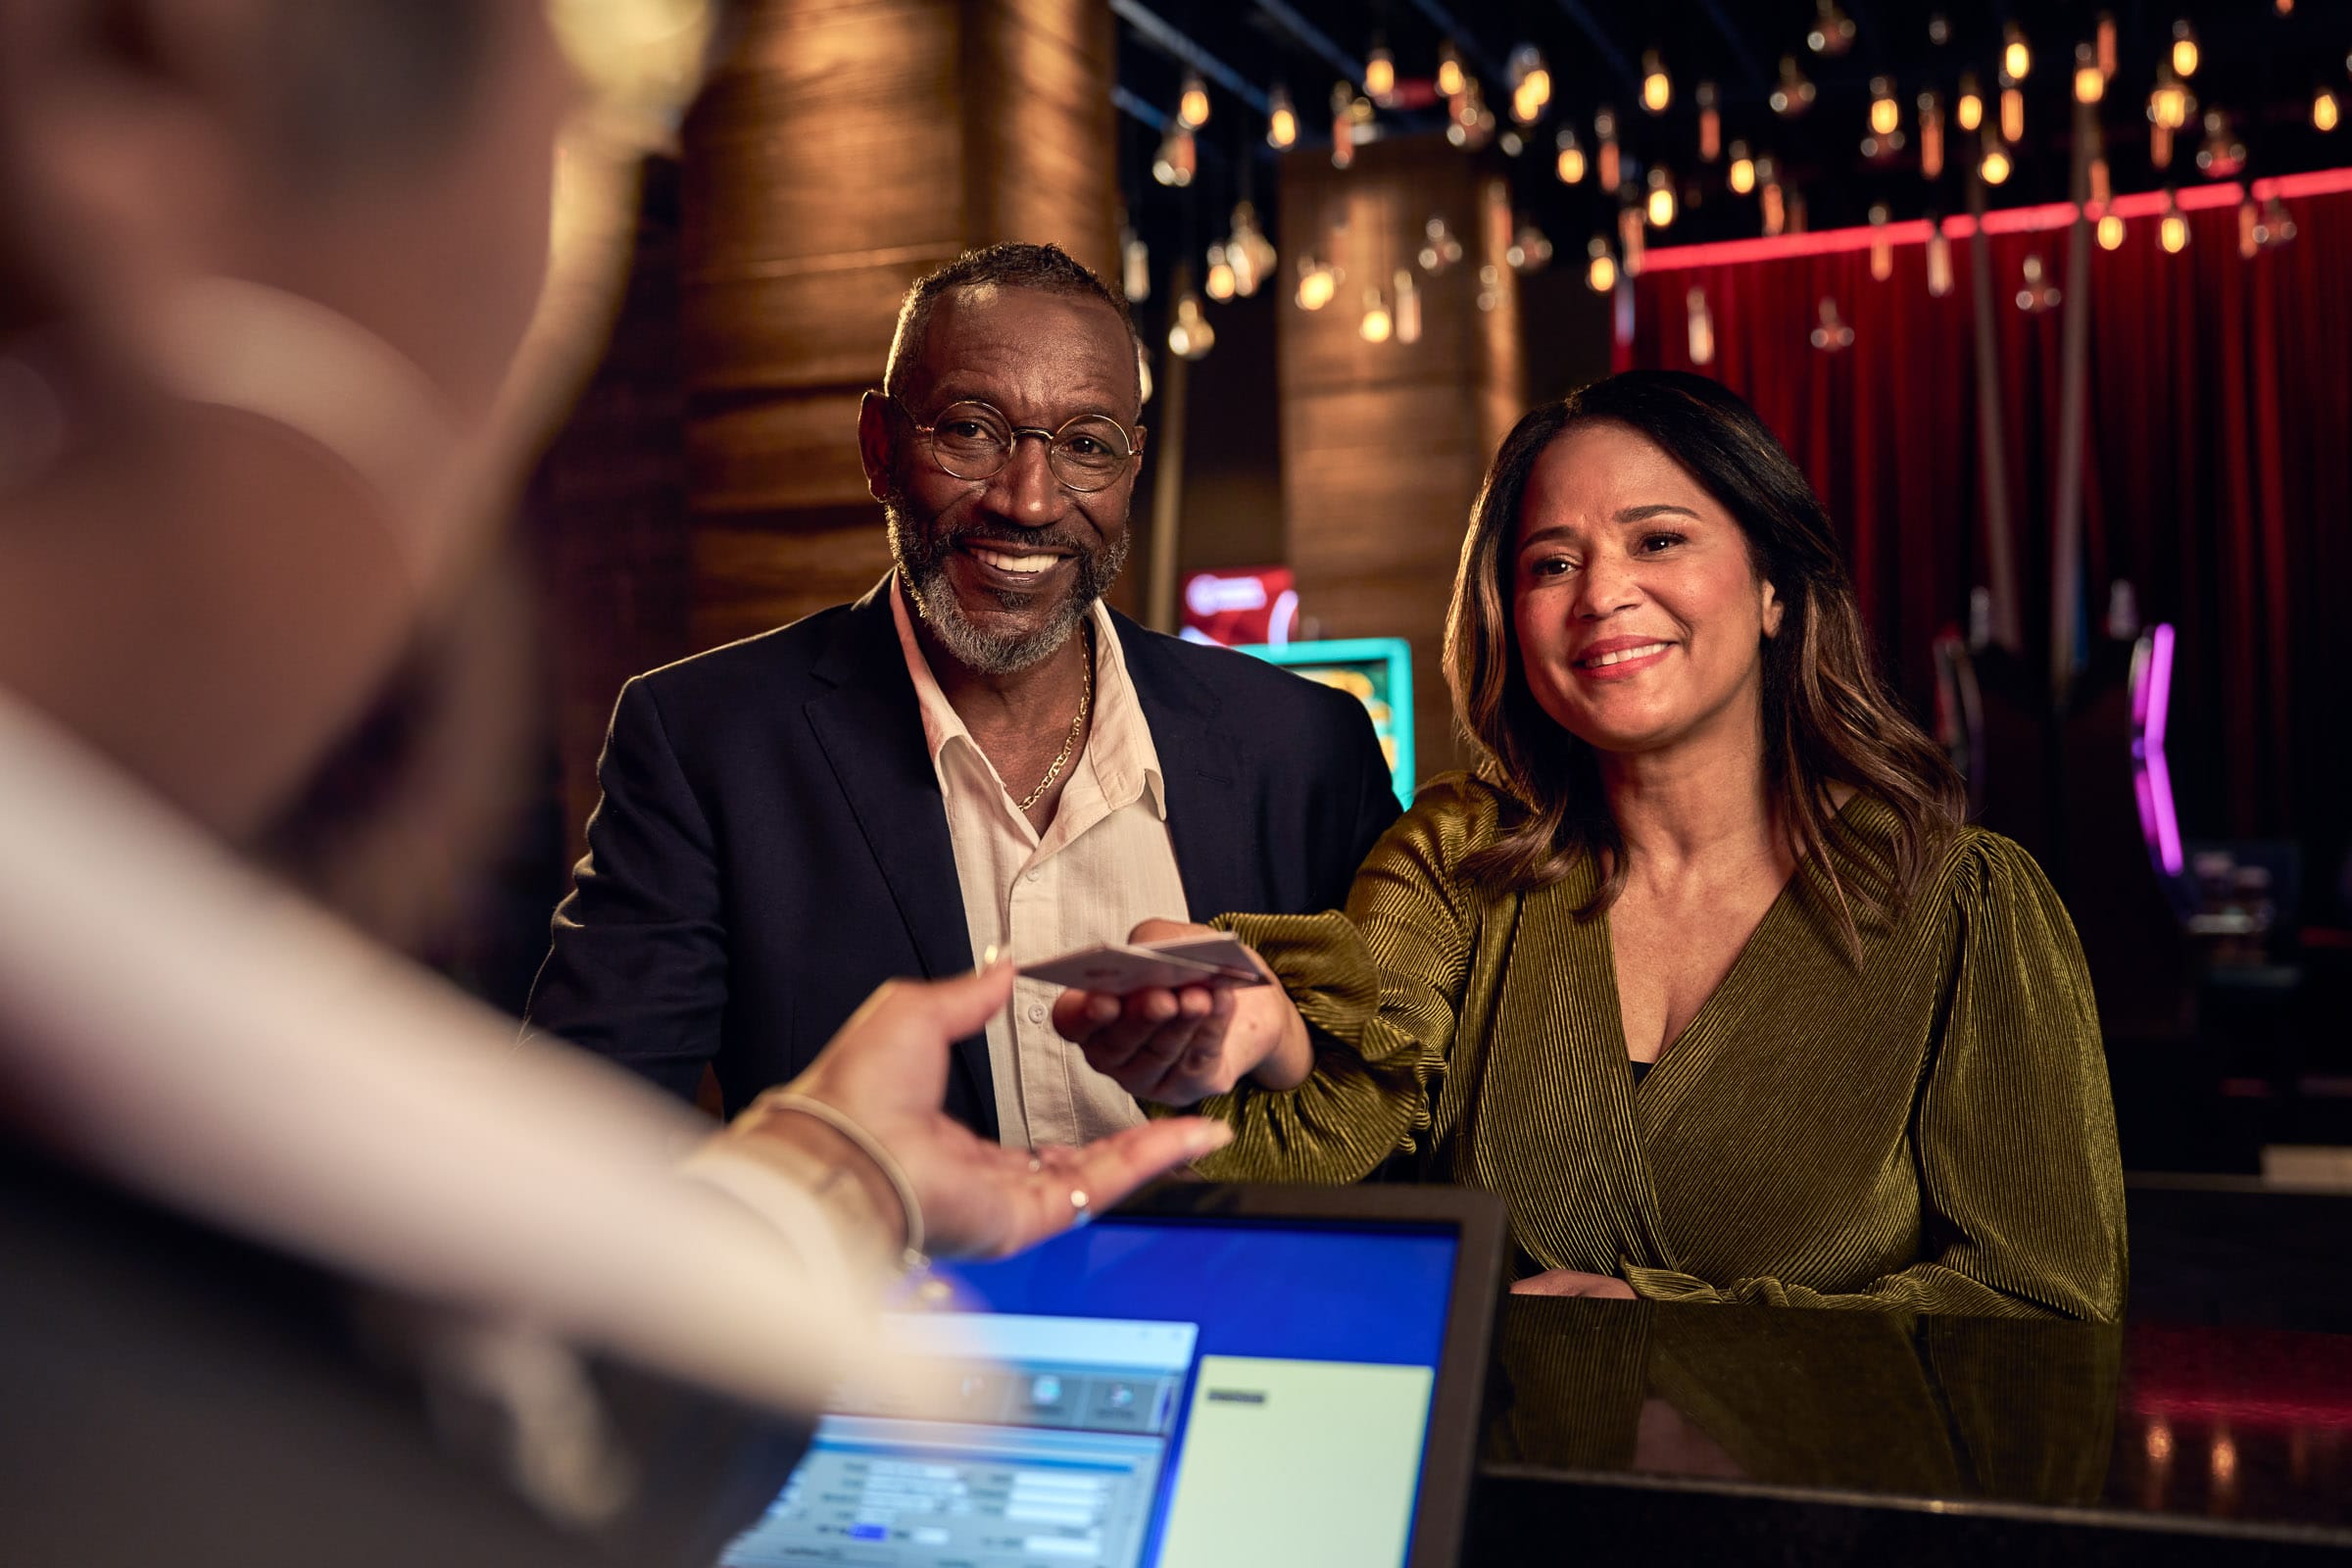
(2021, 1183)
(1379, 985)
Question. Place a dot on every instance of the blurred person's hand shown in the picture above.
(1178, 1047)
(886, 1070)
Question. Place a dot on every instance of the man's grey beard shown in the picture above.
(923, 565)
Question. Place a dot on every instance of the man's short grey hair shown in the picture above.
(1047, 269)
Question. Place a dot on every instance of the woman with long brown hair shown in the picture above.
(1701, 968)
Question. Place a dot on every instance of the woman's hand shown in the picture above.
(1178, 1047)
(886, 1070)
(1568, 1282)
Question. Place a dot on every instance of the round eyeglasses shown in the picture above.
(973, 441)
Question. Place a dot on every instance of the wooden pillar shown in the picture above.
(1384, 444)
(844, 148)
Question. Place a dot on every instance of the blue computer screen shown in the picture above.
(1159, 1392)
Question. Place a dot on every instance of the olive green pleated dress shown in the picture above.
(1930, 1130)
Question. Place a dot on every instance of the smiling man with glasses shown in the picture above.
(978, 753)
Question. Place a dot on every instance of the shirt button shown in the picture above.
(1034, 872)
(1037, 1013)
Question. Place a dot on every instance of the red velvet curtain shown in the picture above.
(2218, 478)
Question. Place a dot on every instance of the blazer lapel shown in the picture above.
(1206, 825)
(872, 734)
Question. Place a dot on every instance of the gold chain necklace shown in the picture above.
(1069, 742)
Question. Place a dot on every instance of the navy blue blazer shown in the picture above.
(773, 844)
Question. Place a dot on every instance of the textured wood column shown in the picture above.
(847, 147)
(1382, 444)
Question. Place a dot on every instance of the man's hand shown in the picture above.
(887, 1069)
(1178, 1047)
(1568, 1282)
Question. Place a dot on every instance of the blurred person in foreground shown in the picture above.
(976, 754)
(307, 1260)
(1702, 969)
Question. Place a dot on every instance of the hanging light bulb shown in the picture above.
(2326, 113)
(1661, 198)
(1192, 106)
(1190, 336)
(1931, 135)
(2249, 229)
(1282, 120)
(1881, 250)
(1218, 285)
(1600, 273)
(1530, 251)
(1796, 210)
(1439, 249)
(1451, 80)
(1470, 121)
(1379, 74)
(1995, 165)
(2170, 104)
(1833, 335)
(1969, 113)
(2223, 153)
(2105, 51)
(1710, 123)
(1658, 88)
(1793, 95)
(2017, 61)
(2090, 82)
(1703, 326)
(2278, 228)
(2102, 185)
(1833, 31)
(1742, 171)
(1318, 283)
(2039, 293)
(1377, 324)
(1177, 159)
(1885, 113)
(1612, 164)
(2168, 109)
(1135, 268)
(1342, 125)
(2184, 50)
(1530, 76)
(1774, 206)
(1571, 162)
(1408, 307)
(1940, 29)
(1939, 260)
(2172, 233)
(2013, 115)
(1631, 245)
(1248, 250)
(2111, 232)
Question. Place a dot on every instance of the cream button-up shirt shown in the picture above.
(1104, 863)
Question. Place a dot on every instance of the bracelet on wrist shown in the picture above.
(911, 1257)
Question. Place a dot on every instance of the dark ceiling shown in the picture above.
(2260, 68)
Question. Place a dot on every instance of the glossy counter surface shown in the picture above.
(1816, 1437)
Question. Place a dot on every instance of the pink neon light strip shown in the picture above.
(2156, 808)
(2009, 220)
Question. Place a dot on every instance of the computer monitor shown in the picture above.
(1209, 1377)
